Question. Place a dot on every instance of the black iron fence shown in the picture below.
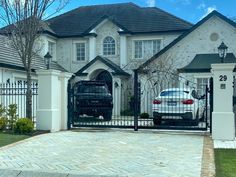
(15, 93)
(159, 101)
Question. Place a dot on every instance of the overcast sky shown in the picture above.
(190, 10)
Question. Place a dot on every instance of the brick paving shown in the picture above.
(107, 153)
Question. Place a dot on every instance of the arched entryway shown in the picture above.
(106, 77)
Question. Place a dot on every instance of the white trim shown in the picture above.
(102, 23)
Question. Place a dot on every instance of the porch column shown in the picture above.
(223, 123)
(123, 51)
(92, 47)
(116, 96)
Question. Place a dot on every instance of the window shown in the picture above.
(52, 49)
(109, 46)
(201, 85)
(146, 48)
(80, 51)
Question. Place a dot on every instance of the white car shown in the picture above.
(177, 103)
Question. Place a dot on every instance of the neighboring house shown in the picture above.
(107, 42)
(11, 67)
(193, 52)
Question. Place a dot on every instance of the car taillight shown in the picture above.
(156, 102)
(189, 101)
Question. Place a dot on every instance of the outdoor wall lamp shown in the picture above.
(222, 50)
(47, 59)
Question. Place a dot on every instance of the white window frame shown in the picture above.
(75, 50)
(144, 39)
(202, 76)
(103, 45)
(54, 48)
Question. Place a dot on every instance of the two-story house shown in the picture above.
(106, 42)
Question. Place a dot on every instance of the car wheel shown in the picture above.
(107, 116)
(157, 121)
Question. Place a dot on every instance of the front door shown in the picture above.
(105, 76)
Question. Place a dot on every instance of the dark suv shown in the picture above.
(93, 99)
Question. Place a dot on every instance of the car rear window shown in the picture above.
(174, 93)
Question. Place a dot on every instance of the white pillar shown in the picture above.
(123, 51)
(92, 47)
(52, 100)
(223, 123)
(116, 96)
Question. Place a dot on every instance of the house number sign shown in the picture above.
(222, 78)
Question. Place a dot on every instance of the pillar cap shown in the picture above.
(223, 66)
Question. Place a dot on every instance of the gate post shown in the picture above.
(69, 105)
(223, 126)
(211, 102)
(136, 100)
(52, 100)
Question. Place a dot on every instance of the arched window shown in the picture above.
(109, 46)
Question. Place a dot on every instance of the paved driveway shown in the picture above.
(111, 153)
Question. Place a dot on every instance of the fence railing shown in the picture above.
(15, 93)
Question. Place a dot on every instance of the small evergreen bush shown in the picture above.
(144, 115)
(23, 126)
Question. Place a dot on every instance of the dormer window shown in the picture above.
(109, 46)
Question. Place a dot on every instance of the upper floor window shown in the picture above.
(109, 46)
(146, 48)
(52, 49)
(80, 51)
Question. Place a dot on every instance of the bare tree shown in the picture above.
(24, 20)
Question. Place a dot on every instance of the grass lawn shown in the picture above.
(225, 161)
(6, 138)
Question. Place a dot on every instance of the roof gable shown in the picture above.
(115, 68)
(173, 43)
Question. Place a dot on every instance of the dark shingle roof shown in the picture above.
(117, 70)
(128, 16)
(178, 39)
(9, 58)
(202, 62)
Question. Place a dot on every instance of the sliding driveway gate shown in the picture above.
(162, 101)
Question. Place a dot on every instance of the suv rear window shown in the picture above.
(92, 89)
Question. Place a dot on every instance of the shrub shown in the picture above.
(12, 114)
(23, 126)
(144, 115)
(127, 112)
(3, 123)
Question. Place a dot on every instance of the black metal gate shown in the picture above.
(173, 103)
